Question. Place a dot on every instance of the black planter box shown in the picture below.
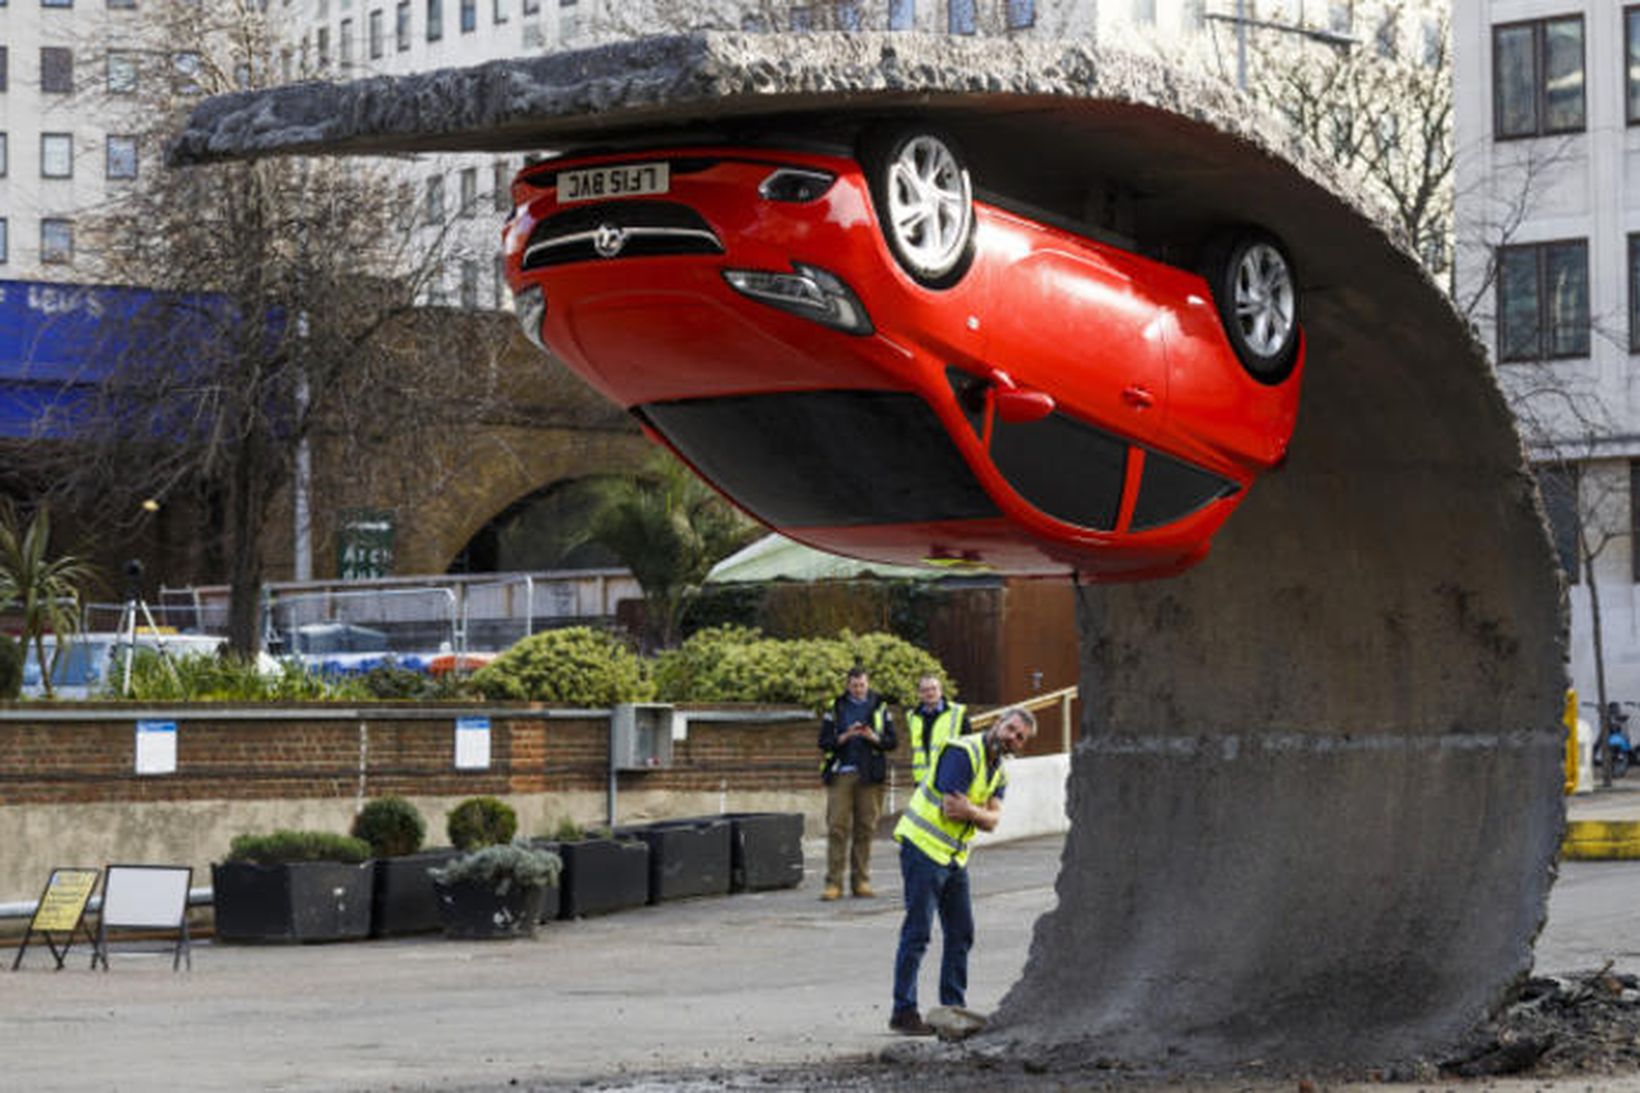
(687, 858)
(300, 901)
(766, 850)
(404, 901)
(552, 896)
(603, 875)
(475, 911)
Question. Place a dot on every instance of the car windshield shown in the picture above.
(826, 458)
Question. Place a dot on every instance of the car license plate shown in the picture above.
(627, 180)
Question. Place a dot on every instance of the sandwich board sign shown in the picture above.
(145, 897)
(60, 914)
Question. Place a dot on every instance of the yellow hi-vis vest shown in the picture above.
(928, 737)
(925, 826)
(879, 718)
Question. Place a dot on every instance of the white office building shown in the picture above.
(1547, 99)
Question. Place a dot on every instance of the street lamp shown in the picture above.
(1241, 20)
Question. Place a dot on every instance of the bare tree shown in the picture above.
(283, 310)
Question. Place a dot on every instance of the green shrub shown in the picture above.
(11, 668)
(502, 866)
(481, 821)
(391, 825)
(568, 831)
(739, 664)
(205, 677)
(576, 664)
(298, 846)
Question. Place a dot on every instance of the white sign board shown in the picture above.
(472, 743)
(151, 896)
(156, 747)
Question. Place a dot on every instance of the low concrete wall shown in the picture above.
(1035, 803)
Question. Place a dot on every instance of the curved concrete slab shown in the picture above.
(1317, 799)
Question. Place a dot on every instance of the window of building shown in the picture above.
(1634, 518)
(1195, 15)
(5, 157)
(847, 15)
(802, 19)
(56, 241)
(503, 186)
(531, 7)
(434, 210)
(569, 20)
(469, 191)
(344, 44)
(1634, 301)
(498, 280)
(1543, 300)
(1388, 38)
(186, 66)
(5, 57)
(401, 25)
(959, 16)
(375, 34)
(1341, 16)
(122, 157)
(469, 16)
(56, 70)
(1021, 14)
(5, 240)
(435, 20)
(469, 284)
(122, 72)
(1434, 51)
(127, 4)
(1537, 77)
(498, 11)
(1144, 12)
(56, 155)
(323, 41)
(56, 3)
(1631, 34)
(902, 14)
(1557, 482)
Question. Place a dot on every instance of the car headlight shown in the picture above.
(796, 185)
(531, 303)
(807, 291)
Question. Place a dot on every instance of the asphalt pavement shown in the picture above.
(702, 989)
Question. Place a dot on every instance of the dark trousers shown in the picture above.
(930, 887)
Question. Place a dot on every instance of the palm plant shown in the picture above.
(669, 529)
(45, 590)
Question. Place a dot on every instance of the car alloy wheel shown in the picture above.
(1256, 291)
(925, 203)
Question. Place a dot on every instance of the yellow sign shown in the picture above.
(64, 900)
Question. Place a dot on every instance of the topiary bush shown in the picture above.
(481, 821)
(575, 664)
(11, 668)
(391, 825)
(285, 846)
(740, 664)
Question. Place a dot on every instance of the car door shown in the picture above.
(1076, 324)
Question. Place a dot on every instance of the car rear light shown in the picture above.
(531, 303)
(796, 185)
(810, 292)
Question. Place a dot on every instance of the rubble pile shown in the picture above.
(1585, 1023)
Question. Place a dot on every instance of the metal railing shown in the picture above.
(1061, 698)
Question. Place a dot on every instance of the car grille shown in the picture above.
(619, 229)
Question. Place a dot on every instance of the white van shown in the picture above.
(83, 671)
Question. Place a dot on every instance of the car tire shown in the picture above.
(1255, 289)
(924, 202)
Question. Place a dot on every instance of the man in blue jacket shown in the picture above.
(854, 735)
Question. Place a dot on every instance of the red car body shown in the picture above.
(918, 431)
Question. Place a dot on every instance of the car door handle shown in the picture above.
(1138, 397)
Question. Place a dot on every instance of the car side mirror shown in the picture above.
(1019, 405)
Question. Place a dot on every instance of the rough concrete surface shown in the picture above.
(1316, 801)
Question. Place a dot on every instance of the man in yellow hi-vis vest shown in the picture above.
(961, 795)
(934, 721)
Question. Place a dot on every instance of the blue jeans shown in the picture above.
(930, 887)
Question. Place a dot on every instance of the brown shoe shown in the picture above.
(832, 892)
(910, 1023)
(865, 891)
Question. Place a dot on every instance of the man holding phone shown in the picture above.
(854, 735)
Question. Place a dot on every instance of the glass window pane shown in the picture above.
(1514, 76)
(1566, 282)
(56, 155)
(960, 16)
(5, 240)
(469, 16)
(498, 11)
(848, 16)
(1517, 303)
(1634, 310)
(1631, 26)
(122, 73)
(376, 34)
(826, 458)
(1558, 484)
(1171, 489)
(122, 157)
(902, 14)
(435, 20)
(56, 241)
(469, 191)
(1037, 458)
(503, 187)
(1563, 75)
(56, 70)
(4, 156)
(435, 200)
(1021, 14)
(401, 25)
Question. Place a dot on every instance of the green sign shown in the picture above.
(364, 544)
